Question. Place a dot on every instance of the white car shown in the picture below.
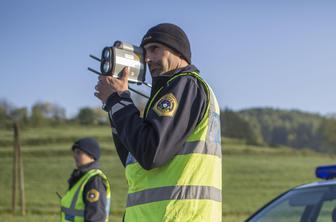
(314, 202)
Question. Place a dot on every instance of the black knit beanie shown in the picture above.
(171, 36)
(89, 146)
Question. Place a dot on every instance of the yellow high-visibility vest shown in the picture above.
(72, 204)
(188, 188)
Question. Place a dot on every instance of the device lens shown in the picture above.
(106, 54)
(106, 67)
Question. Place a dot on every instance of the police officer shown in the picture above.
(172, 154)
(88, 196)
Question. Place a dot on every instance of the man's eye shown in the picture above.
(153, 48)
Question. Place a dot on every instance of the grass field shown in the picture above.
(251, 175)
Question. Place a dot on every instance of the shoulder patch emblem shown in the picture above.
(166, 105)
(92, 195)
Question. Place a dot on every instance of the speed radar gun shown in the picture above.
(115, 58)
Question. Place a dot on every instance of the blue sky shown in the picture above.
(279, 54)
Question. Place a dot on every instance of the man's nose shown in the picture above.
(147, 59)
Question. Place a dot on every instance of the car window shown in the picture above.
(314, 204)
(283, 212)
(327, 210)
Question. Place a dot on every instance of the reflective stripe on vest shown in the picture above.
(187, 188)
(202, 147)
(174, 193)
(72, 204)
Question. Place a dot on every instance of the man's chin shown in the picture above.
(155, 72)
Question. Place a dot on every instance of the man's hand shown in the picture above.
(107, 85)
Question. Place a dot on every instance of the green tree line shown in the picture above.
(275, 127)
(48, 114)
(257, 126)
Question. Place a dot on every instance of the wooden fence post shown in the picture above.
(14, 173)
(18, 172)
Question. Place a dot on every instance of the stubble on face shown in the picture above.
(158, 56)
(156, 68)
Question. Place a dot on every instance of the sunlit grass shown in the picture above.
(251, 175)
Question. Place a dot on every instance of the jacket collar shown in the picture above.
(189, 68)
(89, 166)
(78, 173)
(158, 82)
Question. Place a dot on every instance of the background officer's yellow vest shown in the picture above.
(187, 188)
(72, 204)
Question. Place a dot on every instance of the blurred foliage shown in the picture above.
(257, 126)
(91, 116)
(327, 132)
(275, 127)
(234, 126)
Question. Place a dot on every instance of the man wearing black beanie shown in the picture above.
(172, 155)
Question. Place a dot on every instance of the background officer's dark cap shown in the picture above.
(89, 146)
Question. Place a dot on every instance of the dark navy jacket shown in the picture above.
(155, 140)
(94, 211)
